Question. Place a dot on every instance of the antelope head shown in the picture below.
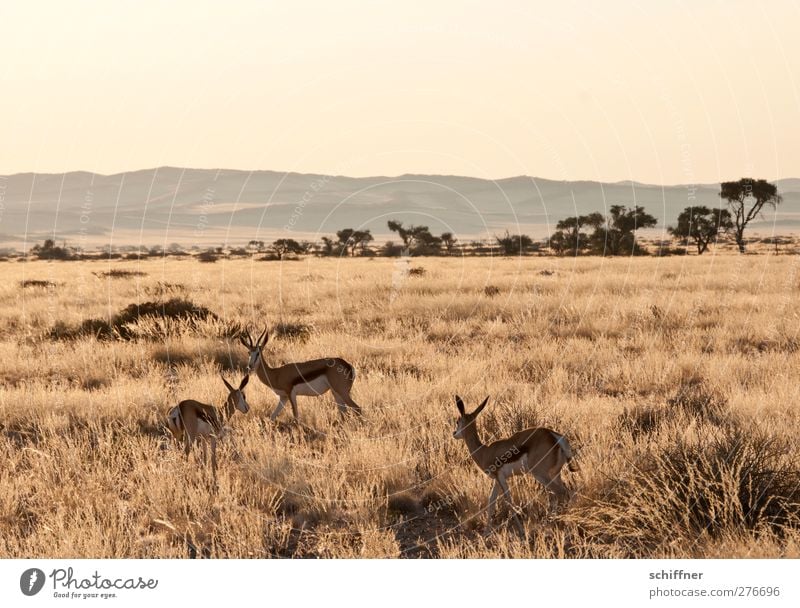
(464, 419)
(254, 348)
(236, 399)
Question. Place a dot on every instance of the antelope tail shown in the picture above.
(175, 424)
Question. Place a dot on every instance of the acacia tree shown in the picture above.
(328, 246)
(618, 235)
(361, 239)
(514, 244)
(402, 232)
(417, 239)
(345, 237)
(350, 240)
(702, 225)
(746, 199)
(568, 235)
(283, 246)
(449, 242)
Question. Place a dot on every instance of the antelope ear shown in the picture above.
(243, 341)
(230, 388)
(460, 405)
(481, 406)
(266, 338)
(244, 381)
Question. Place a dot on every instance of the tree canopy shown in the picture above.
(618, 235)
(568, 236)
(514, 244)
(746, 200)
(701, 225)
(417, 239)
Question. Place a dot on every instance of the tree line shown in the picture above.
(696, 226)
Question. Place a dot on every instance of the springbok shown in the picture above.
(309, 378)
(191, 420)
(538, 451)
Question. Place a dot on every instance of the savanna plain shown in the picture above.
(674, 379)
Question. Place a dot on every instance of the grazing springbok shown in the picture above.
(540, 452)
(191, 420)
(309, 378)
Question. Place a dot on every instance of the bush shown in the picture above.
(37, 283)
(163, 288)
(49, 251)
(514, 244)
(668, 251)
(150, 319)
(392, 250)
(293, 331)
(119, 273)
(699, 401)
(722, 481)
(641, 420)
(693, 400)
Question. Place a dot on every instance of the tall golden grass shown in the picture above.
(675, 379)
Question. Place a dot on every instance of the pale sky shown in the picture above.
(659, 92)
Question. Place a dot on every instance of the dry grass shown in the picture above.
(675, 379)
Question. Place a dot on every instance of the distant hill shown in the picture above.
(199, 206)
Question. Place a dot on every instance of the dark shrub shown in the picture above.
(118, 327)
(119, 273)
(699, 401)
(293, 331)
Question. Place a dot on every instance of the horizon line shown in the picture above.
(376, 176)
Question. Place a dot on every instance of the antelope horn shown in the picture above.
(230, 388)
(480, 407)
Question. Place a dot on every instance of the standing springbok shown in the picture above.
(538, 451)
(191, 420)
(309, 378)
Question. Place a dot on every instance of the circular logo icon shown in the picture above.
(31, 581)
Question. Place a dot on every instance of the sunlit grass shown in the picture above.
(655, 369)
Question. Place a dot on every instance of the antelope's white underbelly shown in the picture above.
(315, 387)
(203, 428)
(515, 467)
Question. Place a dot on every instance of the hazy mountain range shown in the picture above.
(202, 207)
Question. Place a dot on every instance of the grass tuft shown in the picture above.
(37, 284)
(119, 273)
(289, 330)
